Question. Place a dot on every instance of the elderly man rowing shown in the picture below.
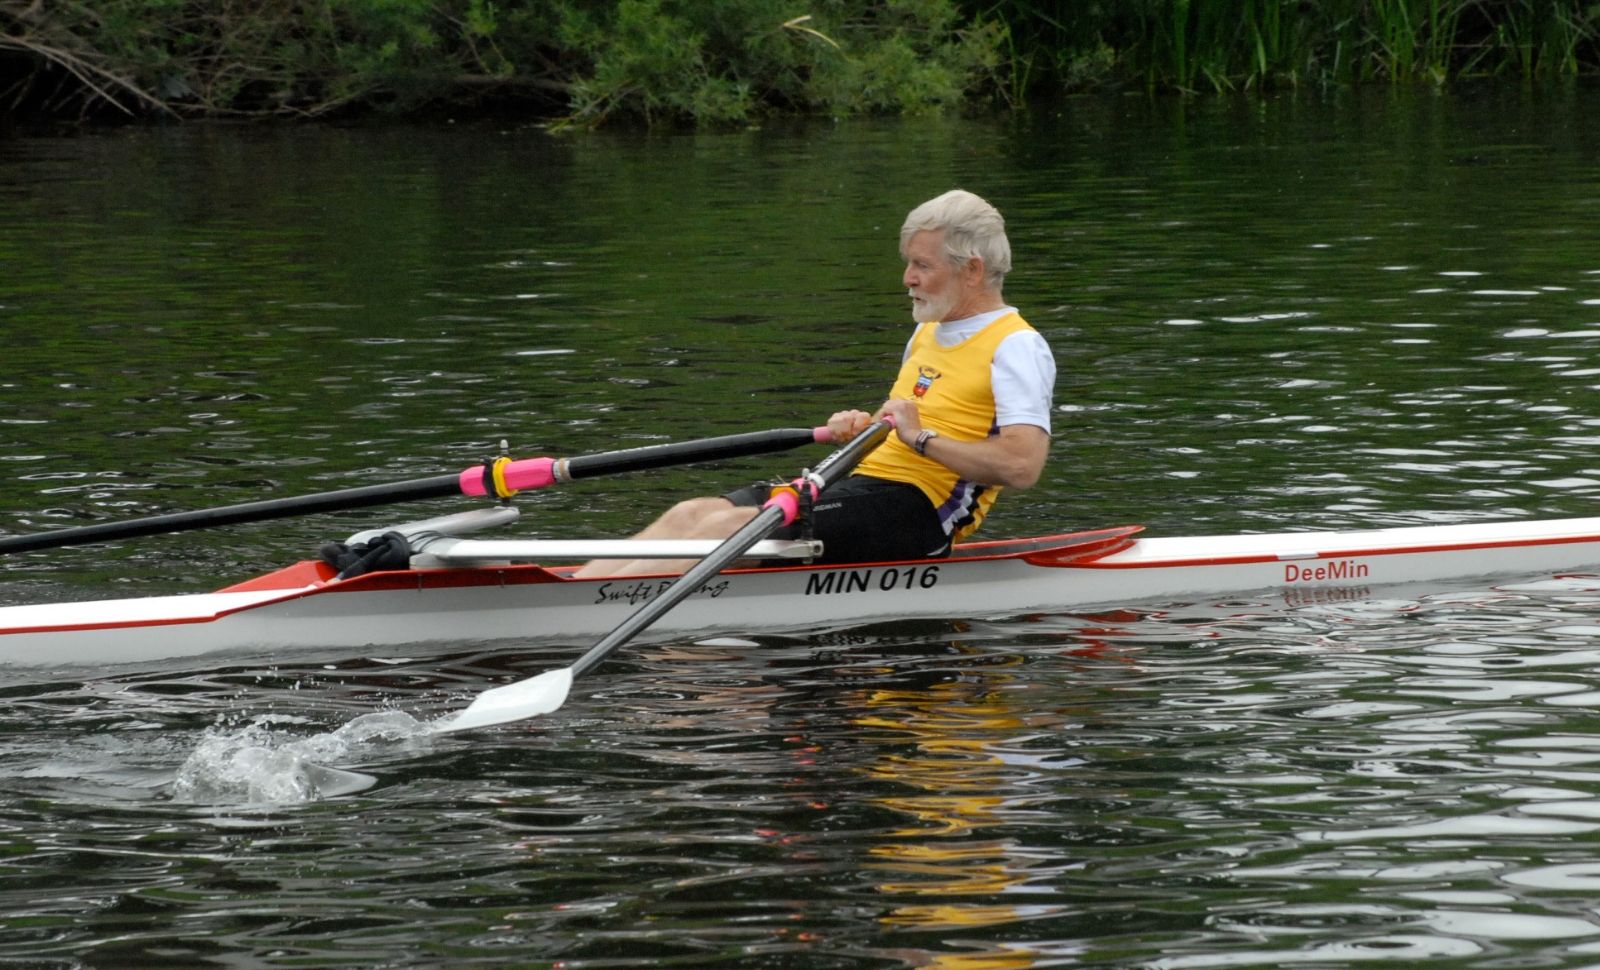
(971, 407)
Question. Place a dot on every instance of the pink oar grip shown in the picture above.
(789, 502)
(520, 475)
(823, 435)
(531, 473)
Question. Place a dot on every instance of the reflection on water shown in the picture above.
(965, 734)
(1271, 314)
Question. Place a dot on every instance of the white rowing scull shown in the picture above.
(455, 591)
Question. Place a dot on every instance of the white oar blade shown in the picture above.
(512, 702)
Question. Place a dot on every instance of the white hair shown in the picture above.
(972, 228)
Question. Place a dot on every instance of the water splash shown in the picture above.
(262, 763)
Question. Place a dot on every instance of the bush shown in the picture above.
(678, 60)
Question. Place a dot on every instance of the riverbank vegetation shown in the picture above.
(589, 62)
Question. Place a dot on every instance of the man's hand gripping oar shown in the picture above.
(548, 691)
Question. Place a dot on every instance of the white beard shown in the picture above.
(930, 310)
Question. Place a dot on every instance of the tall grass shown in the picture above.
(1199, 45)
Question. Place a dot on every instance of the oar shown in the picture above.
(546, 692)
(500, 478)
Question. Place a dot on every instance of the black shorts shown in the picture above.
(863, 519)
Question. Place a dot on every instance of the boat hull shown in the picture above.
(298, 608)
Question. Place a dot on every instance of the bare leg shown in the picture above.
(696, 518)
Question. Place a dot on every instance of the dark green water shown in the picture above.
(1268, 314)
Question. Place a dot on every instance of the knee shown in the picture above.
(690, 515)
(725, 521)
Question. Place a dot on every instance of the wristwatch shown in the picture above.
(923, 437)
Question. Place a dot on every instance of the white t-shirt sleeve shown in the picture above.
(1024, 379)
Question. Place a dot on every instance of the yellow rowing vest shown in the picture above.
(952, 389)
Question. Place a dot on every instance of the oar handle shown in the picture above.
(776, 513)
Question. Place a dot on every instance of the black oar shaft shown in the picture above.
(439, 486)
(689, 452)
(262, 511)
(766, 521)
(835, 467)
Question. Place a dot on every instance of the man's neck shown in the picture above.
(980, 303)
(957, 321)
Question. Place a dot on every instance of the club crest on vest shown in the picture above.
(925, 378)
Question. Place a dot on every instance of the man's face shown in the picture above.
(935, 286)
